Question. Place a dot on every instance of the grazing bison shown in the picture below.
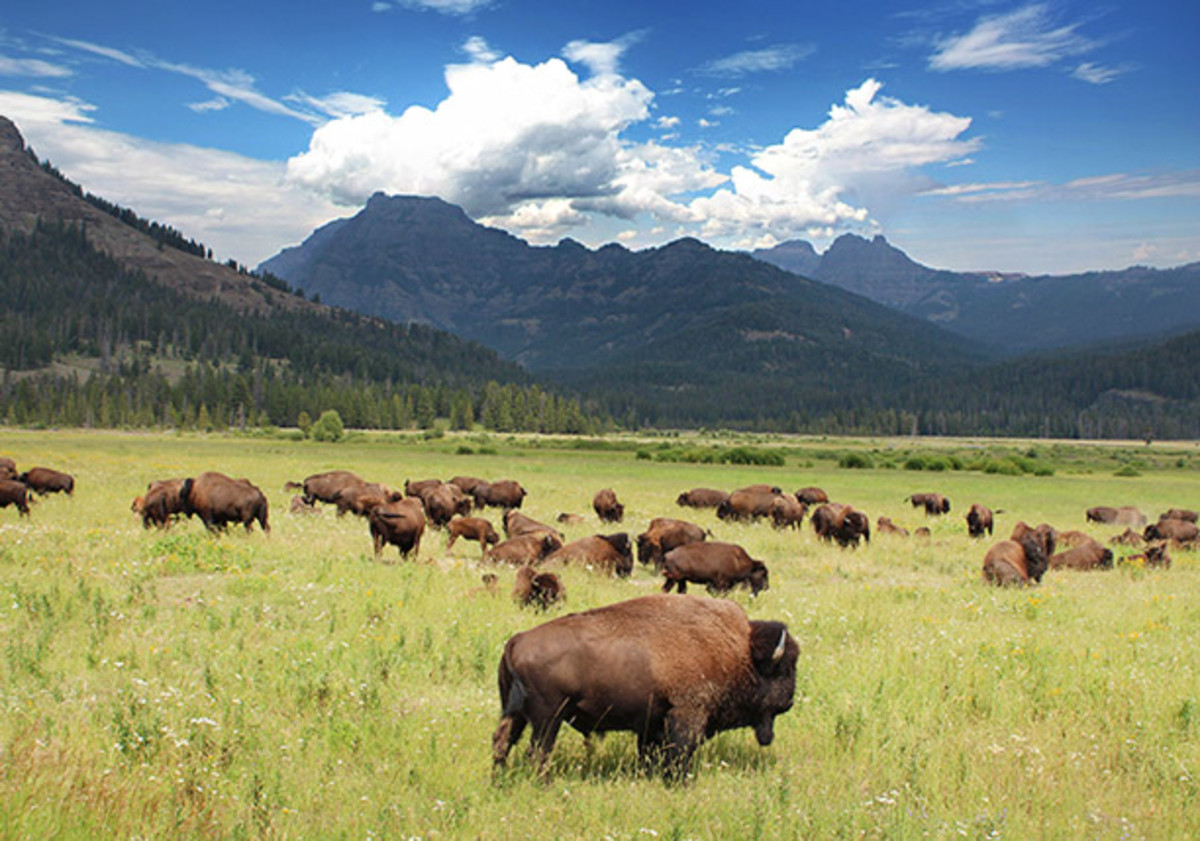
(473, 528)
(419, 487)
(884, 525)
(1126, 515)
(606, 506)
(46, 480)
(537, 589)
(524, 549)
(664, 534)
(1129, 537)
(812, 496)
(442, 502)
(787, 511)
(701, 498)
(298, 506)
(467, 484)
(1186, 514)
(1023, 558)
(359, 498)
(719, 566)
(1155, 555)
(980, 519)
(14, 493)
(932, 503)
(8, 468)
(843, 523)
(1086, 556)
(1177, 531)
(162, 503)
(517, 524)
(748, 503)
(400, 523)
(674, 670)
(609, 553)
(219, 500)
(503, 494)
(325, 487)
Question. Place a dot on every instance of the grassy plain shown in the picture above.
(178, 685)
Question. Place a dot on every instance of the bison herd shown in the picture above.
(673, 669)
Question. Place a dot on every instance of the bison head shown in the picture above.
(773, 653)
(758, 578)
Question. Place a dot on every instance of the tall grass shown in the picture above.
(176, 684)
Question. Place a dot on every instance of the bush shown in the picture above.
(328, 427)
(854, 461)
(1128, 470)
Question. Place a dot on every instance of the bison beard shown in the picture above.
(674, 670)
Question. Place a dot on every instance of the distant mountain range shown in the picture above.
(1009, 314)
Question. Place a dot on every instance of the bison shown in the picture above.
(674, 670)
(787, 511)
(664, 534)
(219, 500)
(606, 506)
(1177, 531)
(16, 494)
(933, 503)
(524, 549)
(884, 525)
(1186, 514)
(719, 566)
(609, 553)
(1023, 558)
(467, 484)
(325, 487)
(8, 468)
(537, 589)
(812, 496)
(473, 528)
(1088, 555)
(46, 480)
(503, 494)
(1126, 515)
(1154, 555)
(1129, 537)
(400, 523)
(517, 524)
(162, 503)
(843, 523)
(299, 507)
(980, 519)
(419, 487)
(701, 498)
(442, 502)
(568, 519)
(749, 503)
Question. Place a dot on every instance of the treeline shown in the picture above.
(163, 359)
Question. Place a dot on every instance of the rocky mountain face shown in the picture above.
(1010, 314)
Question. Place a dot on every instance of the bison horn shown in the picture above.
(777, 654)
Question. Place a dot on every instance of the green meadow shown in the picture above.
(176, 684)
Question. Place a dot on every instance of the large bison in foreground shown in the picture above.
(674, 670)
(219, 500)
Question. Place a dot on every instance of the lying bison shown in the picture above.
(1180, 514)
(537, 589)
(674, 670)
(46, 480)
(1023, 558)
(1088, 555)
(843, 523)
(884, 525)
(610, 553)
(701, 498)
(1126, 515)
(606, 506)
(1177, 531)
(219, 500)
(524, 549)
(472, 528)
(980, 519)
(664, 534)
(16, 494)
(718, 566)
(400, 523)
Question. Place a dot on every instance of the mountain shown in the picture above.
(1011, 314)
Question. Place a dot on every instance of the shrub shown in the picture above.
(854, 461)
(328, 427)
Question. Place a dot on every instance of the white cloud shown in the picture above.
(1099, 75)
(479, 50)
(446, 7)
(42, 112)
(33, 67)
(339, 103)
(667, 122)
(1024, 38)
(602, 58)
(778, 57)
(218, 103)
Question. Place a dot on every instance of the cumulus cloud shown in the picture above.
(778, 57)
(1024, 38)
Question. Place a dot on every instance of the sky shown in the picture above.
(1036, 137)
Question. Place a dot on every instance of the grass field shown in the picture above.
(171, 684)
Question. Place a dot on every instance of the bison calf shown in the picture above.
(473, 528)
(537, 589)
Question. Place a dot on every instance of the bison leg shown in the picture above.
(507, 734)
(450, 542)
(682, 738)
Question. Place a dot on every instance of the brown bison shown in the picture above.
(609, 553)
(1186, 514)
(748, 503)
(1129, 537)
(812, 496)
(1086, 556)
(219, 500)
(701, 498)
(162, 503)
(537, 589)
(606, 506)
(503, 494)
(517, 524)
(46, 480)
(884, 525)
(674, 670)
(400, 523)
(467, 484)
(1177, 531)
(1126, 515)
(8, 468)
(325, 487)
(442, 502)
(787, 511)
(524, 549)
(1023, 558)
(719, 566)
(1074, 537)
(16, 494)
(361, 497)
(980, 519)
(1154, 555)
(472, 528)
(843, 523)
(568, 519)
(933, 503)
(299, 507)
(664, 534)
(419, 487)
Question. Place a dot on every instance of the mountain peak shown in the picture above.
(10, 136)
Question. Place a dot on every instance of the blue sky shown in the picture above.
(1038, 137)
